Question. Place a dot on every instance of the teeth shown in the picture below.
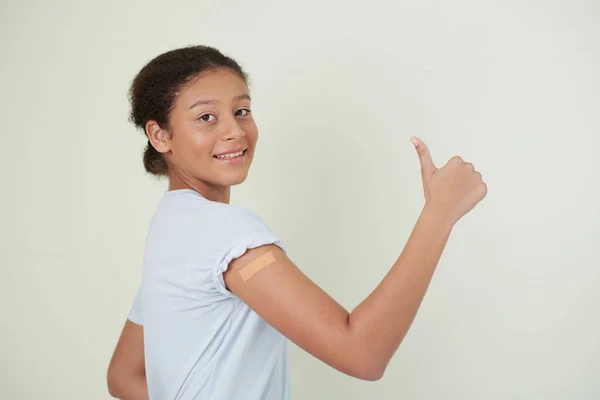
(232, 155)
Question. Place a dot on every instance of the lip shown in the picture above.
(233, 161)
(231, 151)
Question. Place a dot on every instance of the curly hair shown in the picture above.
(155, 88)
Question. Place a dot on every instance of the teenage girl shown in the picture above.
(201, 329)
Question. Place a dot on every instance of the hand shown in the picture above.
(453, 190)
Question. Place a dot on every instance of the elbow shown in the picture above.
(367, 364)
(374, 376)
(362, 369)
(366, 368)
(125, 384)
(113, 385)
(371, 374)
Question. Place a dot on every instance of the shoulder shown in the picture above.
(238, 228)
(190, 204)
(189, 214)
(237, 222)
(237, 215)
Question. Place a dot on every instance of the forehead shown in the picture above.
(222, 85)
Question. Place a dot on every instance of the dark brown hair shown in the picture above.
(154, 89)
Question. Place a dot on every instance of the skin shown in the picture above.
(359, 343)
(127, 373)
(211, 116)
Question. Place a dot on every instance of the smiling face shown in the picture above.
(209, 145)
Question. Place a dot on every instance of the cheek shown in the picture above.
(251, 132)
(202, 144)
(193, 146)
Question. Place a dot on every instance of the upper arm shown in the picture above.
(128, 360)
(294, 305)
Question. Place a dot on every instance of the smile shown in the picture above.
(230, 155)
(232, 158)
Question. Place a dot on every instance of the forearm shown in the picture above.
(132, 388)
(379, 324)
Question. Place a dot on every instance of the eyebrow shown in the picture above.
(203, 102)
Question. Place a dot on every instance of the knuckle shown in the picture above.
(455, 161)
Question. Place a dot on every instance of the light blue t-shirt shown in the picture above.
(200, 340)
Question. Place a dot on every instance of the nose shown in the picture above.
(232, 130)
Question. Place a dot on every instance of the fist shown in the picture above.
(453, 190)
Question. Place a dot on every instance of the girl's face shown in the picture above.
(212, 136)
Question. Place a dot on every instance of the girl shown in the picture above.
(219, 297)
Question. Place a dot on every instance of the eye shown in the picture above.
(207, 117)
(242, 113)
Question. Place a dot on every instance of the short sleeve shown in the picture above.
(135, 313)
(248, 231)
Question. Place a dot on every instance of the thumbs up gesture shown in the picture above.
(453, 190)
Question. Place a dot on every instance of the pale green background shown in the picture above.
(338, 87)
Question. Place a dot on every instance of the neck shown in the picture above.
(209, 191)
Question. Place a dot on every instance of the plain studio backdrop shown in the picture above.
(338, 88)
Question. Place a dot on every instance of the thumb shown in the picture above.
(427, 165)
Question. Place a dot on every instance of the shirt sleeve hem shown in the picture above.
(236, 249)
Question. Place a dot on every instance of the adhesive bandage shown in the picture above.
(261, 262)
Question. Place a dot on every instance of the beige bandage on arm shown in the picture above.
(261, 262)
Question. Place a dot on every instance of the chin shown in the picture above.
(235, 179)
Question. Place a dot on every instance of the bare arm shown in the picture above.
(382, 320)
(361, 343)
(126, 376)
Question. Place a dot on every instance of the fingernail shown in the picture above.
(414, 141)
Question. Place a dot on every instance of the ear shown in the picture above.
(159, 138)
